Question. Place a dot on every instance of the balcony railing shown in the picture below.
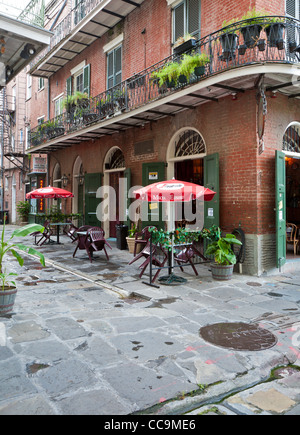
(65, 27)
(261, 40)
(33, 13)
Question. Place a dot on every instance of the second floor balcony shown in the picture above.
(223, 61)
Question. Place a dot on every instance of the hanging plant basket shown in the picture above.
(275, 35)
(251, 34)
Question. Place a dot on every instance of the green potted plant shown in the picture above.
(192, 64)
(23, 209)
(131, 238)
(168, 75)
(8, 288)
(224, 256)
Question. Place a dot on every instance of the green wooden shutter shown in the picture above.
(69, 86)
(152, 173)
(127, 175)
(86, 79)
(91, 183)
(178, 21)
(211, 180)
(280, 194)
(118, 65)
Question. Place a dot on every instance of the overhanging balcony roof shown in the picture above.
(76, 32)
(17, 35)
(142, 99)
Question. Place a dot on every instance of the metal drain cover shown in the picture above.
(238, 336)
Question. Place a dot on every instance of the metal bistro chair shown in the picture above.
(141, 238)
(43, 237)
(70, 230)
(158, 256)
(292, 236)
(92, 241)
(187, 254)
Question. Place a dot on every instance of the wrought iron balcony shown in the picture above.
(33, 13)
(250, 42)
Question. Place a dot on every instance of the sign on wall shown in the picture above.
(39, 165)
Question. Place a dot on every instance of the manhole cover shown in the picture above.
(254, 284)
(238, 336)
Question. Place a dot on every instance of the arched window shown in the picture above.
(291, 139)
(189, 143)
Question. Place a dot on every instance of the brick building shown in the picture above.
(234, 127)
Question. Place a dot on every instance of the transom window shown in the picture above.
(291, 139)
(189, 143)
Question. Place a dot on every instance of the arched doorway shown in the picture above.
(185, 157)
(291, 149)
(78, 188)
(114, 171)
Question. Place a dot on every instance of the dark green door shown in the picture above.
(211, 180)
(91, 183)
(280, 198)
(153, 173)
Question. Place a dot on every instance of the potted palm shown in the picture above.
(224, 256)
(7, 284)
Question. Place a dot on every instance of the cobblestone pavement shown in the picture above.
(92, 338)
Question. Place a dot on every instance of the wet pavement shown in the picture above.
(92, 338)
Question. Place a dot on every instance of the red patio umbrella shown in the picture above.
(174, 191)
(49, 192)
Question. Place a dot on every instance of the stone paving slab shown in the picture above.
(92, 338)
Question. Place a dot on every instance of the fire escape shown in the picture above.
(12, 149)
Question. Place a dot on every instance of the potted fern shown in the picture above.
(224, 256)
(192, 64)
(8, 289)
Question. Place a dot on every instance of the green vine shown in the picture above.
(182, 236)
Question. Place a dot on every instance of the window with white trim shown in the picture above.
(186, 19)
(41, 83)
(58, 105)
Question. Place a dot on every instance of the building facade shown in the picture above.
(104, 108)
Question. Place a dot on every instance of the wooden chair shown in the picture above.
(92, 240)
(141, 238)
(43, 237)
(292, 237)
(158, 257)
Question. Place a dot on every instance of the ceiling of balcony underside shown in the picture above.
(16, 37)
(173, 104)
(88, 30)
